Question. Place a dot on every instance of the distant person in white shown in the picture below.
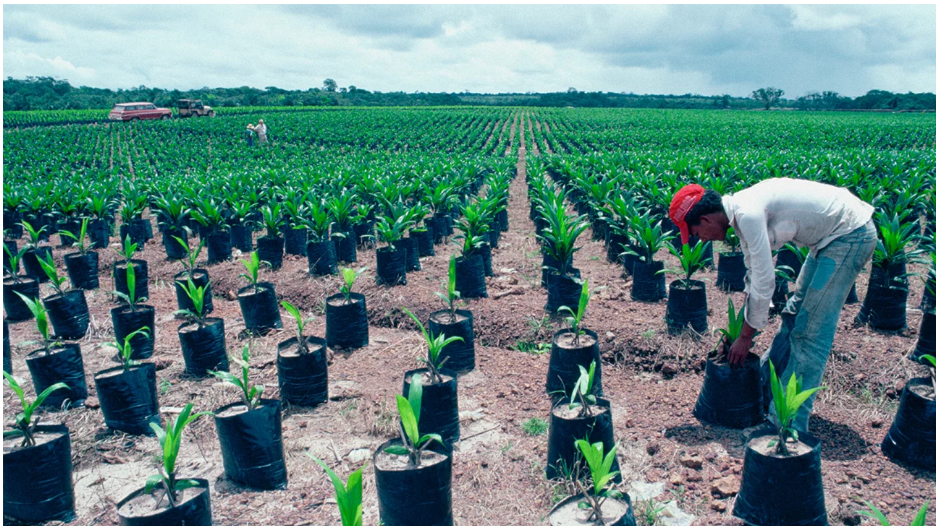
(261, 130)
(838, 229)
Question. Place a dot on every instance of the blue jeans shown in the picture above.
(809, 319)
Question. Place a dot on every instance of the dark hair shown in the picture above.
(710, 202)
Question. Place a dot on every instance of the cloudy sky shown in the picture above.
(659, 49)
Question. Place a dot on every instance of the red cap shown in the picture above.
(684, 200)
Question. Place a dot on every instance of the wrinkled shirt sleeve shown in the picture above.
(760, 278)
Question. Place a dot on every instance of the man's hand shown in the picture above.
(739, 350)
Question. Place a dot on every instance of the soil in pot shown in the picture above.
(321, 258)
(141, 276)
(616, 512)
(251, 444)
(413, 496)
(128, 398)
(566, 356)
(82, 270)
(303, 378)
(259, 307)
(68, 313)
(15, 308)
(219, 246)
(470, 277)
(345, 247)
(48, 493)
(392, 266)
(203, 349)
(687, 306)
(567, 426)
(193, 508)
(199, 278)
(270, 250)
(126, 321)
(31, 263)
(440, 410)
(765, 473)
(911, 438)
(460, 356)
(731, 272)
(294, 241)
(731, 396)
(346, 321)
(647, 282)
(64, 364)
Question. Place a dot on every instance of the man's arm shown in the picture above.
(754, 235)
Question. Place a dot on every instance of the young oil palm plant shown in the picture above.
(435, 345)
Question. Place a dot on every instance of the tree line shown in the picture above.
(47, 93)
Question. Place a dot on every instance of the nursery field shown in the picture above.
(515, 208)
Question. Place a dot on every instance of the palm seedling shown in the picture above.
(191, 255)
(391, 230)
(250, 394)
(127, 250)
(24, 425)
(319, 222)
(582, 394)
(435, 345)
(450, 297)
(734, 325)
(732, 240)
(131, 296)
(692, 260)
(253, 265)
(48, 265)
(173, 211)
(15, 259)
(874, 513)
(196, 294)
(412, 442)
(300, 323)
(561, 233)
(349, 276)
(348, 496)
(170, 441)
(342, 208)
(79, 238)
(649, 238)
(787, 402)
(208, 213)
(575, 318)
(894, 248)
(272, 219)
(600, 467)
(34, 235)
(125, 350)
(42, 322)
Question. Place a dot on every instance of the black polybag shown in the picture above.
(37, 481)
(204, 349)
(7, 354)
(485, 251)
(392, 266)
(731, 396)
(219, 246)
(270, 250)
(439, 412)
(799, 477)
(321, 258)
(63, 364)
(196, 511)
(415, 496)
(926, 337)
(911, 437)
(15, 307)
(424, 242)
(303, 378)
(259, 308)
(470, 277)
(884, 306)
(68, 313)
(127, 321)
(563, 369)
(647, 282)
(141, 278)
(563, 433)
(686, 306)
(31, 263)
(563, 290)
(731, 272)
(412, 258)
(82, 270)
(129, 401)
(241, 237)
(346, 324)
(251, 445)
(294, 241)
(175, 250)
(459, 355)
(345, 248)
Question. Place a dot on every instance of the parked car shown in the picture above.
(137, 111)
(193, 108)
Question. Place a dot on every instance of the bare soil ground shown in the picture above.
(651, 378)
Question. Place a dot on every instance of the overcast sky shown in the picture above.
(657, 49)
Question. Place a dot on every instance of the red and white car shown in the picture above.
(137, 111)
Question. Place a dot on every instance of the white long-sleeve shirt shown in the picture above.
(773, 212)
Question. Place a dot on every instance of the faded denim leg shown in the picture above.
(809, 321)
